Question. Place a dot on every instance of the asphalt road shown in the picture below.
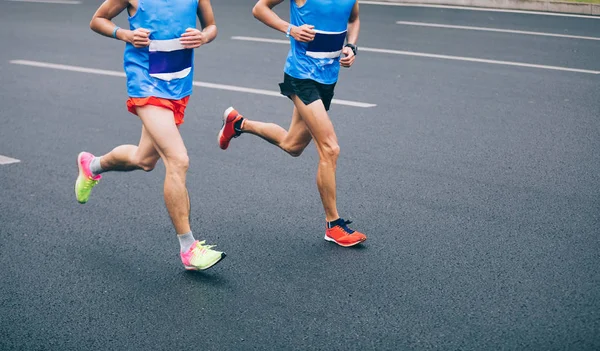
(478, 185)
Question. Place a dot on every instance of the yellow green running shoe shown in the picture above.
(200, 257)
(86, 180)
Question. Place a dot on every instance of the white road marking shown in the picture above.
(437, 25)
(444, 57)
(468, 8)
(4, 160)
(198, 84)
(63, 2)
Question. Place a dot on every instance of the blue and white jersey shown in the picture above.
(319, 60)
(164, 69)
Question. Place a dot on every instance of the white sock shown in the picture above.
(186, 241)
(95, 166)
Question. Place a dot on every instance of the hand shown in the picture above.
(304, 33)
(192, 38)
(348, 58)
(140, 38)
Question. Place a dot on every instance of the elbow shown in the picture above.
(93, 24)
(256, 11)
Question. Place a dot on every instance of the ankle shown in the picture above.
(95, 166)
(331, 224)
(238, 126)
(186, 241)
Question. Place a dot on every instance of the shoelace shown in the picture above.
(90, 183)
(344, 226)
(203, 248)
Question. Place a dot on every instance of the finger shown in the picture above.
(189, 33)
(190, 40)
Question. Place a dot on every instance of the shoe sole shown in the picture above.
(80, 176)
(192, 268)
(227, 112)
(344, 245)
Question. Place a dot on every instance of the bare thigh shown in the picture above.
(316, 120)
(146, 153)
(160, 129)
(298, 136)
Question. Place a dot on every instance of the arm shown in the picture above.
(263, 11)
(352, 38)
(353, 25)
(193, 38)
(102, 24)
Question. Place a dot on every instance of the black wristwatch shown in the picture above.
(353, 47)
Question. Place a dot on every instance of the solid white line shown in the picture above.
(102, 72)
(198, 84)
(263, 40)
(437, 25)
(445, 57)
(476, 9)
(4, 160)
(63, 2)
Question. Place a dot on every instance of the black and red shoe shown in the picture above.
(228, 131)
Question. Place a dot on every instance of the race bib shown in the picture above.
(169, 59)
(326, 45)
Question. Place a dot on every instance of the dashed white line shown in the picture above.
(444, 57)
(62, 2)
(198, 84)
(5, 160)
(438, 25)
(468, 8)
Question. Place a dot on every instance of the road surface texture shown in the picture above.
(470, 158)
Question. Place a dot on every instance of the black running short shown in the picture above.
(307, 90)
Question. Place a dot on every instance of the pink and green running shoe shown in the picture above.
(200, 257)
(86, 180)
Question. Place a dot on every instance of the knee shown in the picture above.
(147, 165)
(178, 163)
(330, 151)
(294, 151)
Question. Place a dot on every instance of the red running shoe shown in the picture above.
(228, 132)
(342, 235)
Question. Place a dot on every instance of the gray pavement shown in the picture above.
(477, 184)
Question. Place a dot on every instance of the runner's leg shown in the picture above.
(160, 126)
(131, 157)
(293, 141)
(318, 123)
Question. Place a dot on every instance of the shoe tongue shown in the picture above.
(342, 223)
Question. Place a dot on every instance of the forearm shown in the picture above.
(353, 30)
(210, 33)
(267, 16)
(106, 27)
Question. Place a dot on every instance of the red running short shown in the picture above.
(177, 106)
